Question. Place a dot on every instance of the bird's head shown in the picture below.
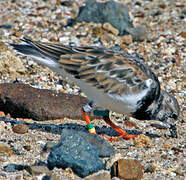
(169, 110)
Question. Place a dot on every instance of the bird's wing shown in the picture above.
(107, 70)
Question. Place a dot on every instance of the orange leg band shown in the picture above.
(87, 119)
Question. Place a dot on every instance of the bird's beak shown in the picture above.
(171, 125)
(173, 131)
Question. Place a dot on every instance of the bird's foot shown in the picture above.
(105, 114)
(123, 133)
(116, 138)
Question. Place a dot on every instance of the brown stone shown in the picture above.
(130, 124)
(97, 32)
(4, 149)
(127, 39)
(127, 169)
(142, 140)
(3, 47)
(2, 113)
(21, 100)
(20, 128)
(183, 34)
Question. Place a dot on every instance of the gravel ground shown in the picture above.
(163, 50)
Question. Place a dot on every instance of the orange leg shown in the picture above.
(123, 133)
(90, 126)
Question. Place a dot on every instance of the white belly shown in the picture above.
(124, 104)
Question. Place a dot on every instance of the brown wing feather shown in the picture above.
(102, 68)
(112, 72)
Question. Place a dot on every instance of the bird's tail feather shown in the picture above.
(26, 49)
(50, 50)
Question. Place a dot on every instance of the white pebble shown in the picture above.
(63, 39)
(172, 174)
(59, 86)
(30, 63)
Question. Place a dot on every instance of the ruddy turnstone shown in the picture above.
(113, 80)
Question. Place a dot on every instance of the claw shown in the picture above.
(111, 139)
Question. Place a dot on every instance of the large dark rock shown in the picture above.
(73, 151)
(21, 100)
(112, 12)
(102, 145)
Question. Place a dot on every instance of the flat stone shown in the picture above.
(127, 169)
(100, 175)
(74, 152)
(24, 101)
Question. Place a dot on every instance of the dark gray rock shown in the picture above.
(14, 167)
(102, 146)
(6, 26)
(112, 12)
(73, 151)
(150, 169)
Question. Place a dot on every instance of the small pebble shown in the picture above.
(142, 140)
(20, 128)
(110, 28)
(4, 149)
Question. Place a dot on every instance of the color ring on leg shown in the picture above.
(90, 126)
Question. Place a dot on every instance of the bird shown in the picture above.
(114, 80)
